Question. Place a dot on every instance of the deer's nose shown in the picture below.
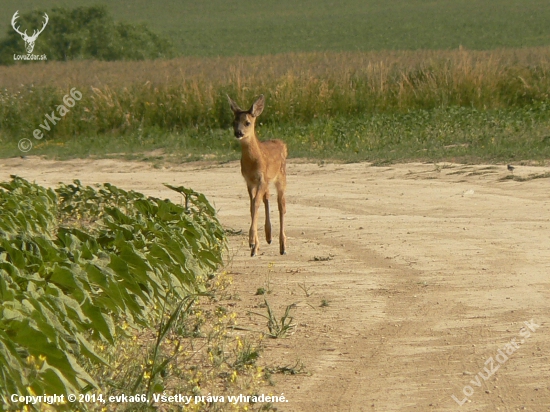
(239, 134)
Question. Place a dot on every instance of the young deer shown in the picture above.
(262, 163)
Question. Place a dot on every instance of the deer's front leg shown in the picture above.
(256, 195)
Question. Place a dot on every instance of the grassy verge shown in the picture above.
(456, 134)
(453, 134)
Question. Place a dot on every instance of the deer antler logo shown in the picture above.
(29, 40)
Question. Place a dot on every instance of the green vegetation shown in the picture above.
(221, 28)
(81, 268)
(455, 134)
(278, 328)
(461, 105)
(84, 33)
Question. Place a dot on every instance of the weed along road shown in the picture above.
(416, 287)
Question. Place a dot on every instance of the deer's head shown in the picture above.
(29, 40)
(243, 125)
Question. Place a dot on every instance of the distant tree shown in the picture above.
(85, 33)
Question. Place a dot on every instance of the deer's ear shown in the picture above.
(234, 106)
(258, 106)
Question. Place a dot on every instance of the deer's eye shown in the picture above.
(247, 123)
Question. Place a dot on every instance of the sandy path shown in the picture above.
(431, 270)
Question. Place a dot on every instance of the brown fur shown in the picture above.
(262, 163)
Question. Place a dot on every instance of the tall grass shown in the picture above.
(188, 95)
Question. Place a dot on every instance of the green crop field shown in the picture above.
(220, 27)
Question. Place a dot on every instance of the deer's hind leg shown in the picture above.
(281, 203)
(268, 236)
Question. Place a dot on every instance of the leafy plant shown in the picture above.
(278, 328)
(79, 265)
(157, 364)
(297, 369)
(246, 354)
(306, 289)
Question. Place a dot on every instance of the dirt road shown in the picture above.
(426, 272)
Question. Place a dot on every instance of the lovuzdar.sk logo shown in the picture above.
(29, 40)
